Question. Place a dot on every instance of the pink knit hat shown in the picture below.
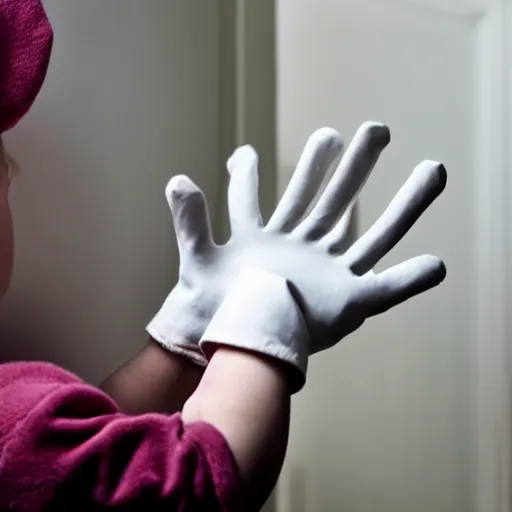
(26, 38)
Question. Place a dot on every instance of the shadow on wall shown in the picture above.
(49, 264)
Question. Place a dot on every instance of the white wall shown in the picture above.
(385, 422)
(131, 99)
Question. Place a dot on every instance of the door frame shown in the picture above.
(493, 249)
(247, 102)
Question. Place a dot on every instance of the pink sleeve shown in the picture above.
(64, 445)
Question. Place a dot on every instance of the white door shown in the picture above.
(387, 419)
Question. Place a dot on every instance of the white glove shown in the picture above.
(335, 288)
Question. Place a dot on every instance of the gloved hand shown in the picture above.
(335, 288)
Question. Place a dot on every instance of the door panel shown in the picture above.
(385, 421)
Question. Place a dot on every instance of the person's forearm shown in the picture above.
(155, 380)
(246, 397)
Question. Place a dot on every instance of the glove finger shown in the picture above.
(401, 282)
(352, 173)
(321, 153)
(426, 182)
(190, 215)
(337, 241)
(243, 204)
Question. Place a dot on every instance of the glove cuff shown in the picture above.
(259, 314)
(177, 333)
(187, 350)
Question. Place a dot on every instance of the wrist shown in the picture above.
(153, 381)
(238, 372)
(173, 360)
(228, 363)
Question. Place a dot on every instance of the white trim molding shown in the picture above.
(458, 8)
(466, 8)
(493, 255)
(247, 92)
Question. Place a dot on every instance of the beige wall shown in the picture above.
(131, 98)
(385, 420)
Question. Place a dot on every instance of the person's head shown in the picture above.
(25, 50)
